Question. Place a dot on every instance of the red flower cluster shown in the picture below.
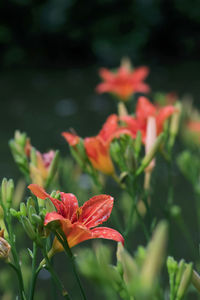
(125, 82)
(97, 148)
(78, 223)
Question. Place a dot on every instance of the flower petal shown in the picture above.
(38, 191)
(105, 74)
(140, 73)
(70, 204)
(98, 154)
(52, 216)
(164, 113)
(107, 233)
(109, 127)
(72, 139)
(96, 210)
(144, 109)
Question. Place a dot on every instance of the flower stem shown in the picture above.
(55, 276)
(62, 239)
(16, 264)
(34, 272)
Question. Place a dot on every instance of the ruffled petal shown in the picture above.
(96, 210)
(107, 233)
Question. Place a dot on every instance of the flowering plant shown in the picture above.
(132, 154)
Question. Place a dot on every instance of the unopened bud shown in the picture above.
(172, 265)
(28, 228)
(15, 213)
(53, 168)
(174, 125)
(138, 143)
(33, 157)
(23, 209)
(129, 266)
(122, 111)
(36, 219)
(185, 281)
(181, 268)
(10, 192)
(4, 248)
(155, 255)
(150, 155)
(196, 280)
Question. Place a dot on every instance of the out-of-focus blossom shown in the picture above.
(144, 110)
(79, 223)
(125, 82)
(97, 147)
(39, 171)
(150, 140)
(38, 167)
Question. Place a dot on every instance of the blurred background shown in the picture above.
(50, 53)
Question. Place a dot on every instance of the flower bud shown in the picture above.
(28, 228)
(23, 209)
(4, 248)
(52, 169)
(129, 266)
(185, 281)
(150, 155)
(155, 255)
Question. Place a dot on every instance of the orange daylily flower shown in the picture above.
(79, 223)
(125, 82)
(144, 110)
(97, 147)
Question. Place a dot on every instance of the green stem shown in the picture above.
(55, 277)
(34, 272)
(133, 192)
(62, 239)
(15, 258)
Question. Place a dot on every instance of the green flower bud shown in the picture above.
(181, 268)
(150, 155)
(15, 213)
(31, 211)
(28, 228)
(185, 281)
(53, 168)
(138, 143)
(37, 220)
(155, 255)
(23, 210)
(130, 269)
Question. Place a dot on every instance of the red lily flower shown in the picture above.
(97, 148)
(78, 223)
(125, 82)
